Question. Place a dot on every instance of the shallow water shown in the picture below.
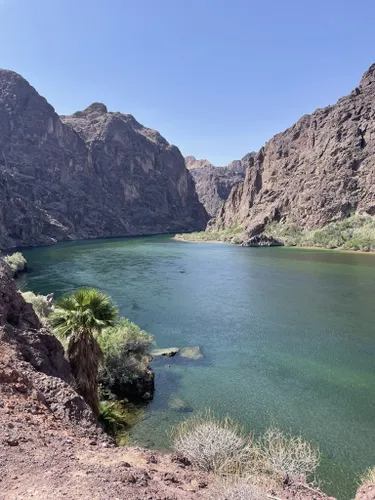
(288, 335)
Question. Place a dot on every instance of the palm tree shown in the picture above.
(78, 316)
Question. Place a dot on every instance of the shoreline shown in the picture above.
(296, 247)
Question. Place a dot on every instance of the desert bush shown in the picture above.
(236, 489)
(368, 477)
(212, 444)
(356, 232)
(288, 454)
(40, 305)
(16, 262)
(126, 356)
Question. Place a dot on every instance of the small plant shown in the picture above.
(368, 477)
(237, 489)
(212, 444)
(16, 262)
(40, 305)
(116, 417)
(288, 454)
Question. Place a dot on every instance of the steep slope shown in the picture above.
(319, 170)
(89, 175)
(213, 184)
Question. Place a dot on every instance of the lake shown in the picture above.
(288, 336)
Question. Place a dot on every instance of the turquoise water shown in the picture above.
(288, 335)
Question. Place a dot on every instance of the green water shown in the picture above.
(288, 335)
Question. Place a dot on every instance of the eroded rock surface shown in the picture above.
(213, 184)
(319, 170)
(92, 174)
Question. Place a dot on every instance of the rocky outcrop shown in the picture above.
(92, 174)
(32, 365)
(261, 240)
(319, 170)
(213, 184)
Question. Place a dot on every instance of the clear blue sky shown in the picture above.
(216, 77)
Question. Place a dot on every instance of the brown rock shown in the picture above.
(213, 184)
(319, 170)
(92, 174)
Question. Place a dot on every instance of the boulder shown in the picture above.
(261, 240)
(191, 352)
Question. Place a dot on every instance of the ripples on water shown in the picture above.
(288, 336)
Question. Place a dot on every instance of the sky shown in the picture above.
(217, 78)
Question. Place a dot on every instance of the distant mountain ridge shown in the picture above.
(213, 184)
(319, 170)
(92, 174)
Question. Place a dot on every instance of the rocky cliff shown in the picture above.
(92, 174)
(213, 184)
(319, 170)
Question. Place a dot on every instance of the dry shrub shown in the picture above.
(237, 489)
(368, 477)
(40, 305)
(213, 444)
(288, 454)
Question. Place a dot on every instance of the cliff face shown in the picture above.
(88, 175)
(213, 184)
(319, 170)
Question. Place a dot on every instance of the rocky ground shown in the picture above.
(50, 445)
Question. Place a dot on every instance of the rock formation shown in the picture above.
(319, 170)
(92, 174)
(213, 184)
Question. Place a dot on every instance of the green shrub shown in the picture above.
(40, 305)
(357, 232)
(126, 356)
(222, 235)
(17, 262)
(116, 417)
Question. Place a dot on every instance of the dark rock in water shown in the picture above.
(213, 184)
(168, 352)
(261, 240)
(93, 174)
(319, 170)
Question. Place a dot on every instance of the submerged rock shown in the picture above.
(178, 404)
(191, 352)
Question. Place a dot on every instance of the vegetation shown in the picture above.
(40, 305)
(288, 454)
(221, 446)
(223, 235)
(16, 262)
(357, 232)
(126, 356)
(78, 317)
(368, 477)
(237, 489)
(212, 444)
(116, 417)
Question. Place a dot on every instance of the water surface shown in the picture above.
(288, 335)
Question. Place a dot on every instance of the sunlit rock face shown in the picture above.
(92, 174)
(319, 170)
